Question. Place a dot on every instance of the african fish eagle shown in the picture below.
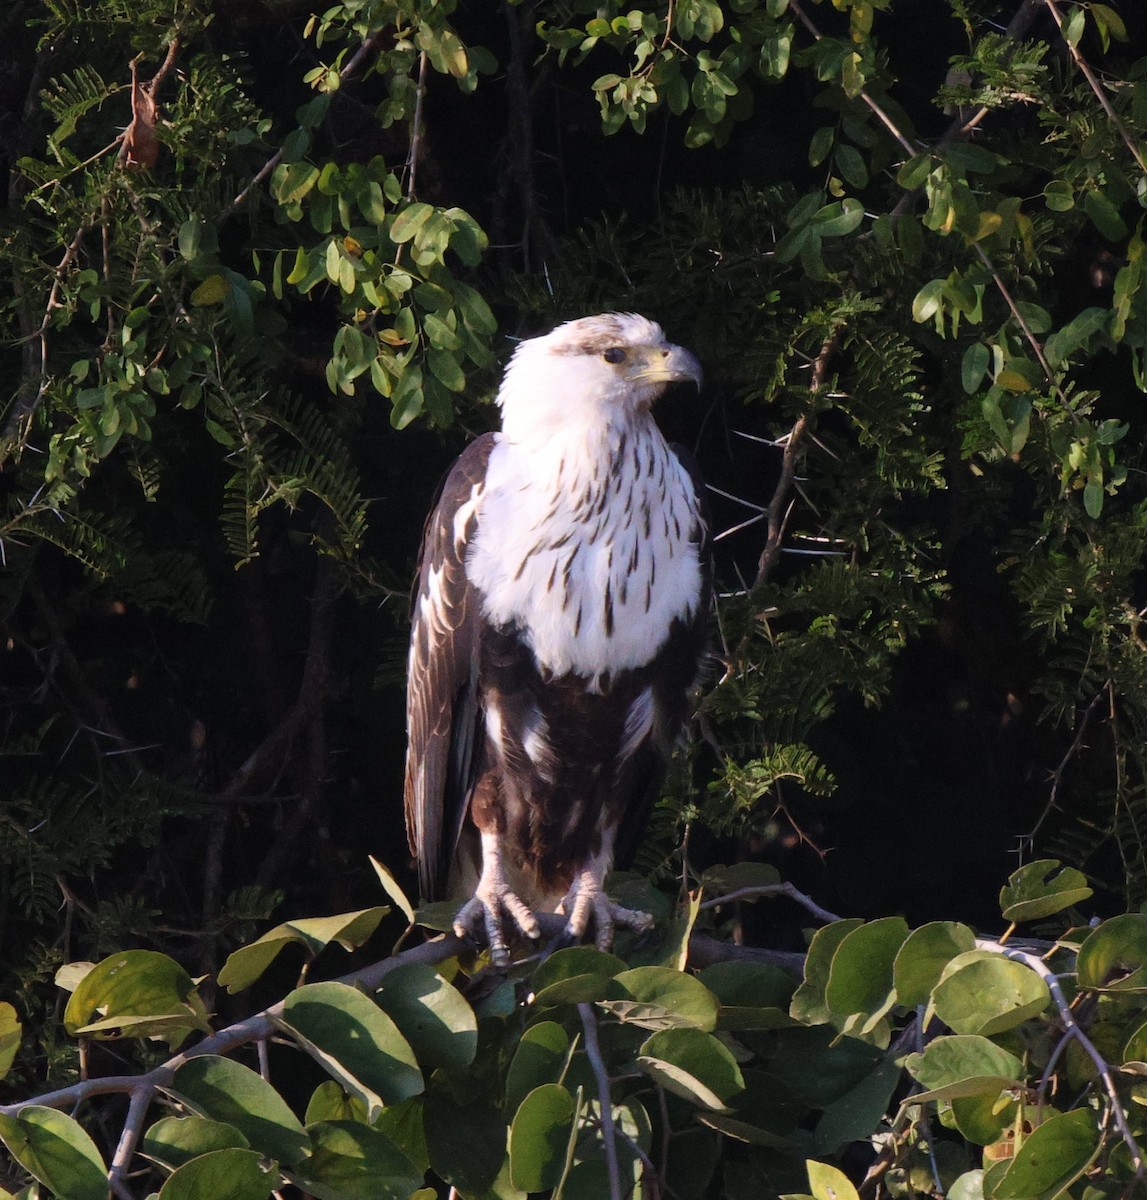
(558, 629)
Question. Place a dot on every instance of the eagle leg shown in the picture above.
(587, 898)
(492, 897)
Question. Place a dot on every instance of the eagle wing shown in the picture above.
(443, 715)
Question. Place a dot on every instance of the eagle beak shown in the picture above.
(664, 364)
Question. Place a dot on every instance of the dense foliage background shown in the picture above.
(264, 265)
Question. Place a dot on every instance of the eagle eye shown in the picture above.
(614, 355)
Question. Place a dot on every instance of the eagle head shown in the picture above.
(595, 370)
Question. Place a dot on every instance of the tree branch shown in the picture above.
(1073, 1029)
(777, 510)
(1097, 88)
(604, 1099)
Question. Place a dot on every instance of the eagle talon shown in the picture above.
(586, 899)
(485, 910)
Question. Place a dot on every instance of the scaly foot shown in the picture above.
(492, 899)
(587, 898)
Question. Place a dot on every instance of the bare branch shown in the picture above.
(605, 1101)
(778, 506)
(772, 889)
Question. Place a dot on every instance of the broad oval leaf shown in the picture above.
(661, 998)
(350, 930)
(575, 975)
(432, 1015)
(964, 1065)
(236, 1174)
(1053, 1154)
(213, 290)
(540, 1058)
(539, 1137)
(355, 1041)
(808, 1003)
(752, 995)
(1114, 956)
(827, 1182)
(352, 1161)
(10, 1034)
(55, 1149)
(988, 994)
(861, 974)
(692, 1064)
(173, 1141)
(233, 1094)
(858, 1114)
(136, 984)
(466, 1142)
(1040, 889)
(329, 1102)
(921, 960)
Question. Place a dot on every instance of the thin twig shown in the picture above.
(416, 128)
(1073, 1028)
(1097, 88)
(597, 1064)
(1028, 839)
(350, 68)
(885, 119)
(1029, 336)
(772, 889)
(778, 505)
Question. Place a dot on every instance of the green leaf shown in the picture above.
(213, 290)
(1104, 216)
(692, 1064)
(861, 974)
(539, 1137)
(11, 1033)
(1041, 889)
(1052, 1156)
(540, 1058)
(839, 218)
(408, 222)
(808, 1004)
(329, 1102)
(752, 995)
(574, 975)
(969, 1186)
(354, 1041)
(352, 1161)
(859, 1113)
(1058, 194)
(230, 1093)
(661, 998)
(921, 960)
(349, 930)
(964, 1065)
(55, 1149)
(983, 1119)
(466, 1142)
(981, 992)
(176, 1140)
(1113, 957)
(829, 1183)
(140, 992)
(974, 366)
(1072, 27)
(236, 1174)
(391, 886)
(432, 1015)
